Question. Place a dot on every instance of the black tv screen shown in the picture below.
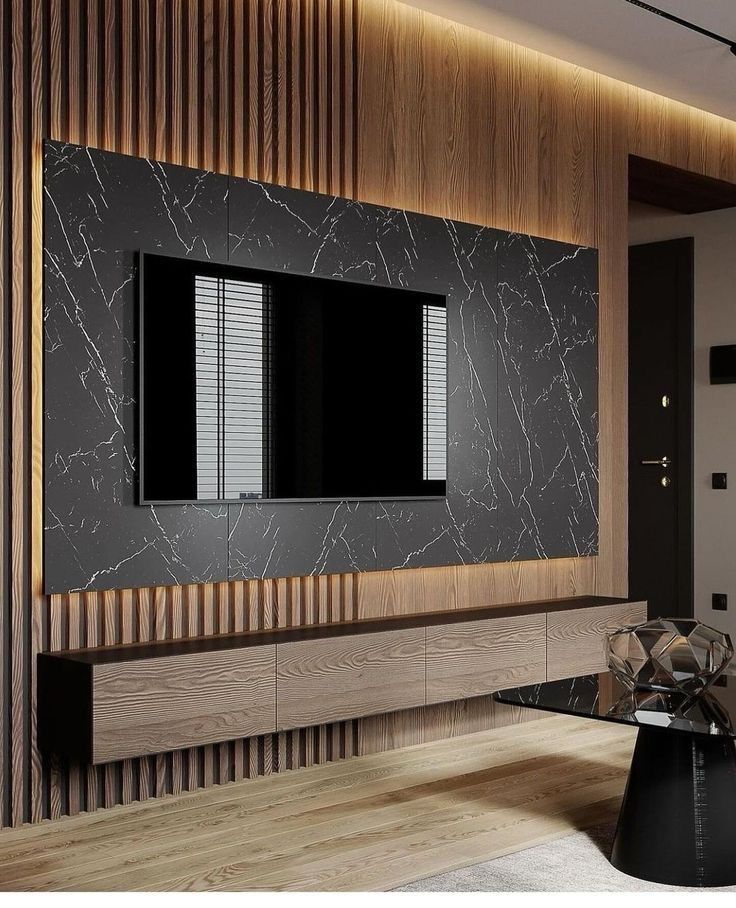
(258, 385)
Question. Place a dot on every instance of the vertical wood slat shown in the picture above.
(74, 49)
(73, 640)
(38, 118)
(162, 126)
(146, 81)
(280, 54)
(126, 619)
(93, 48)
(224, 85)
(237, 36)
(6, 299)
(160, 762)
(267, 140)
(174, 37)
(322, 110)
(192, 109)
(253, 94)
(55, 87)
(90, 637)
(112, 789)
(307, 104)
(17, 616)
(208, 127)
(127, 30)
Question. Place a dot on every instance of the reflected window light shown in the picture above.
(434, 341)
(231, 329)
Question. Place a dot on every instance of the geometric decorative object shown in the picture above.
(668, 654)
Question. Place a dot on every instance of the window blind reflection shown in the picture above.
(434, 341)
(231, 369)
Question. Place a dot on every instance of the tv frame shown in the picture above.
(141, 255)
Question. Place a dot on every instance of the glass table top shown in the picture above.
(602, 696)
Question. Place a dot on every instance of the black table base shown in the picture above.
(676, 824)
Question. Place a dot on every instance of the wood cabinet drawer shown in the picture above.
(479, 657)
(344, 677)
(576, 638)
(153, 705)
(112, 703)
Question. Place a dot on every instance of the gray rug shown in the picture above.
(576, 863)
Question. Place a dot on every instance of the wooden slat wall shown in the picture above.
(5, 406)
(363, 98)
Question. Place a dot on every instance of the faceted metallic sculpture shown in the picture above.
(668, 654)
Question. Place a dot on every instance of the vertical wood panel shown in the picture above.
(145, 79)
(90, 637)
(73, 46)
(6, 300)
(365, 98)
(126, 39)
(19, 185)
(610, 201)
(90, 37)
(38, 807)
(73, 640)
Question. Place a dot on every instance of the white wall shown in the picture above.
(715, 405)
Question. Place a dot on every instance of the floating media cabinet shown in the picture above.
(116, 702)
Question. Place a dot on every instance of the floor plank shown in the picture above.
(369, 823)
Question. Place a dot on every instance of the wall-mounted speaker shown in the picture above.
(723, 364)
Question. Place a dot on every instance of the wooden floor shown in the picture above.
(370, 823)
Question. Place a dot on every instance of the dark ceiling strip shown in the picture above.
(729, 42)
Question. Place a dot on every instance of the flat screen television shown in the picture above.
(261, 385)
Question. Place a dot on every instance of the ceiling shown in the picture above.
(620, 40)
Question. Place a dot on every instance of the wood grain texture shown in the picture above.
(156, 705)
(345, 677)
(576, 640)
(424, 724)
(373, 823)
(478, 657)
(373, 100)
(121, 701)
(383, 593)
(6, 302)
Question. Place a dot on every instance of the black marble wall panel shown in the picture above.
(288, 540)
(99, 210)
(522, 381)
(547, 399)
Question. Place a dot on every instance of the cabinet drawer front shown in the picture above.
(576, 638)
(154, 705)
(344, 677)
(478, 657)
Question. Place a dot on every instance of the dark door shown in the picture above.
(660, 426)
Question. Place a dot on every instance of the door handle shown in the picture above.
(662, 462)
